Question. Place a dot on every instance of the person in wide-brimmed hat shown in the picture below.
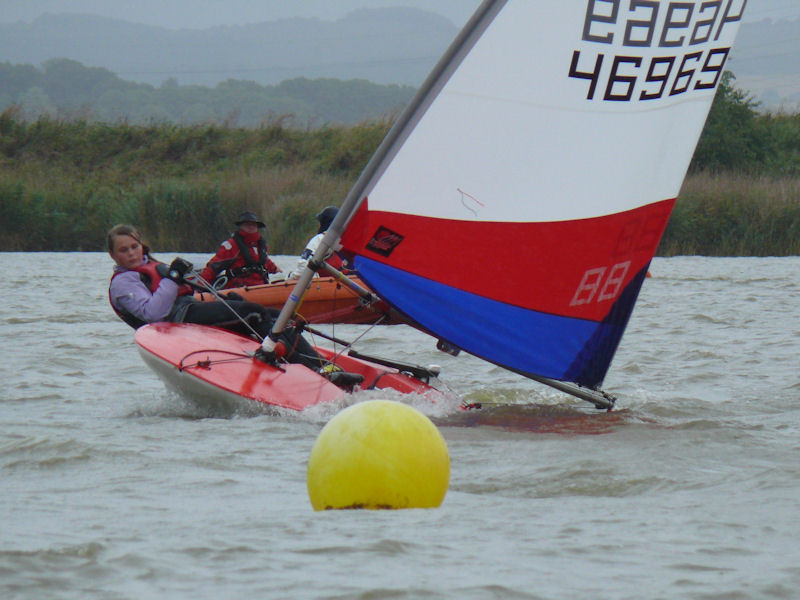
(249, 217)
(242, 259)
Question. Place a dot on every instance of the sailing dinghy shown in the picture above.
(546, 149)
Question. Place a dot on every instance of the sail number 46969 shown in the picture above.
(667, 26)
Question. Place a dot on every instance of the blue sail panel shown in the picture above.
(529, 342)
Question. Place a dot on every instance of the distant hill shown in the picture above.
(65, 89)
(387, 46)
(383, 46)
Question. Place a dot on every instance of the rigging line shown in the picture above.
(209, 362)
(345, 345)
(365, 332)
(333, 325)
(210, 288)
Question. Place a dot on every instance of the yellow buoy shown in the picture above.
(378, 454)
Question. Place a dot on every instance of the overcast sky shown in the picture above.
(200, 14)
(207, 13)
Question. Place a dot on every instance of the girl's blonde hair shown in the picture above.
(129, 230)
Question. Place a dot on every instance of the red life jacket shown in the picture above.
(151, 278)
(335, 261)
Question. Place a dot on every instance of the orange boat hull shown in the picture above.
(325, 301)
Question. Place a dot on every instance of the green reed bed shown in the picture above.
(728, 214)
(175, 214)
(63, 183)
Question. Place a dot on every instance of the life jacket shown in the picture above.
(251, 263)
(150, 276)
(335, 260)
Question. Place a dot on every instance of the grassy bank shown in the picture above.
(729, 214)
(63, 184)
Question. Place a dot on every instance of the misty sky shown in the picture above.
(196, 14)
(199, 14)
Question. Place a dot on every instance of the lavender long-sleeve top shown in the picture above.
(128, 292)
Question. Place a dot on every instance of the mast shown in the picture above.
(398, 132)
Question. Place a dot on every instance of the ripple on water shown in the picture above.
(57, 556)
(25, 452)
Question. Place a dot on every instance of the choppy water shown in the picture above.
(112, 488)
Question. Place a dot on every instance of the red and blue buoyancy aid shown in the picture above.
(151, 278)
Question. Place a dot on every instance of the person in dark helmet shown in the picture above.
(243, 258)
(143, 290)
(325, 218)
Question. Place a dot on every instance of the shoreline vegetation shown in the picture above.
(734, 214)
(64, 183)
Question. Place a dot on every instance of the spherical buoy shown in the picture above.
(378, 454)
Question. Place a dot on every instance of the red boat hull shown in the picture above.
(207, 361)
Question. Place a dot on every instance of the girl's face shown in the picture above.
(127, 251)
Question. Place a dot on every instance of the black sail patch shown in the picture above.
(384, 241)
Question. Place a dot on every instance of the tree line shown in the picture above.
(742, 193)
(64, 182)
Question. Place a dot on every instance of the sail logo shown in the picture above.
(595, 280)
(384, 241)
(656, 49)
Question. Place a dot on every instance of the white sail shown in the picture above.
(514, 208)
